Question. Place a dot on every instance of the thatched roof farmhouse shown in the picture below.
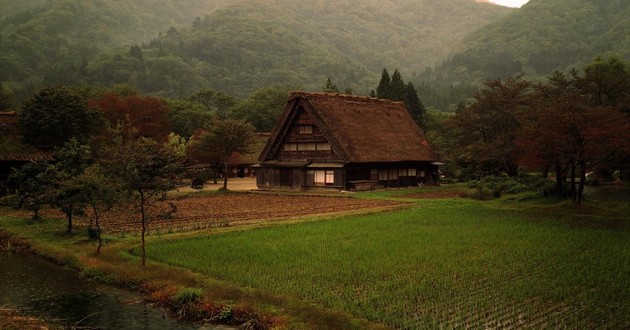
(338, 141)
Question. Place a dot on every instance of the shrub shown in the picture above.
(187, 296)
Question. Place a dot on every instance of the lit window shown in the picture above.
(324, 177)
(330, 177)
(320, 177)
(411, 172)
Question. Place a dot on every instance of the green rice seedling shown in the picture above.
(440, 264)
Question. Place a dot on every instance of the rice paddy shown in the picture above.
(440, 264)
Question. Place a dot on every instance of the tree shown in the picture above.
(573, 129)
(383, 89)
(148, 116)
(186, 117)
(485, 131)
(66, 192)
(200, 151)
(218, 102)
(414, 105)
(226, 137)
(31, 184)
(147, 169)
(395, 89)
(100, 192)
(55, 115)
(262, 108)
(545, 138)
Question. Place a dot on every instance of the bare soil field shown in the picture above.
(196, 212)
(206, 211)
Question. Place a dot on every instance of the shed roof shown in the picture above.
(361, 129)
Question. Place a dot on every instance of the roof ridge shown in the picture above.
(294, 94)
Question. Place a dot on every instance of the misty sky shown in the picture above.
(511, 3)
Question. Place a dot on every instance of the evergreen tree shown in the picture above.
(382, 91)
(397, 89)
(414, 105)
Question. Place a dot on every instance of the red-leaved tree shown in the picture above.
(146, 116)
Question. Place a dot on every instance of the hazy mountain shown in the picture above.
(238, 47)
(541, 37)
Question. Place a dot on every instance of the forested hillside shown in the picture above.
(232, 46)
(541, 37)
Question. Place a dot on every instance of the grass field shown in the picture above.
(441, 264)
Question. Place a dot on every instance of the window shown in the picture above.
(330, 177)
(290, 147)
(320, 177)
(323, 146)
(412, 172)
(307, 146)
(324, 177)
(306, 129)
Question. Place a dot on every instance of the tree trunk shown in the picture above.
(225, 174)
(69, 229)
(573, 192)
(545, 172)
(580, 193)
(560, 178)
(216, 172)
(98, 229)
(144, 228)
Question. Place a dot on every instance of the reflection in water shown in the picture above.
(46, 290)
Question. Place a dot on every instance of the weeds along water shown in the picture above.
(447, 263)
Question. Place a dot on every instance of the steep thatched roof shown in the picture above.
(361, 129)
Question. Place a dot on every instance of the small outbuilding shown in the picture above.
(339, 141)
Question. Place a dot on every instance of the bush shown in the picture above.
(496, 187)
(186, 303)
(187, 296)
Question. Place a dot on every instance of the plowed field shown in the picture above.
(238, 209)
(196, 212)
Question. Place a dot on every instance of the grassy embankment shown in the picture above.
(442, 263)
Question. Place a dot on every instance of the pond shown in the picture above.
(43, 289)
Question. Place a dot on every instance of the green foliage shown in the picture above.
(169, 49)
(31, 184)
(187, 296)
(538, 39)
(262, 108)
(495, 187)
(394, 88)
(456, 261)
(186, 116)
(53, 116)
(224, 138)
(66, 192)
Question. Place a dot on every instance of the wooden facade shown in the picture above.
(336, 141)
